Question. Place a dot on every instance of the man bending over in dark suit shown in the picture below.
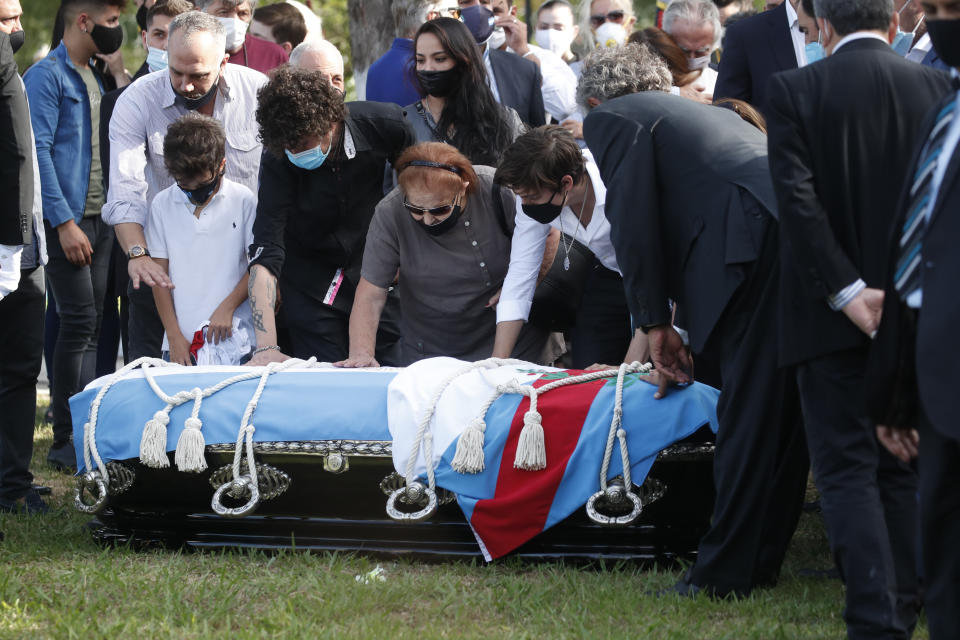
(692, 215)
(914, 371)
(837, 178)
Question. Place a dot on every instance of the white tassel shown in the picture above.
(531, 449)
(469, 455)
(153, 444)
(189, 456)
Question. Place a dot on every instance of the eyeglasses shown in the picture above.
(436, 212)
(613, 16)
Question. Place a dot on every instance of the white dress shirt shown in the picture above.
(491, 79)
(707, 79)
(530, 239)
(920, 50)
(559, 86)
(139, 124)
(915, 299)
(799, 40)
(859, 35)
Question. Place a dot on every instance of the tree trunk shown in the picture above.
(371, 32)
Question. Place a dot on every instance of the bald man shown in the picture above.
(322, 56)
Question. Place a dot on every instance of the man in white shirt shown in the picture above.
(558, 186)
(695, 26)
(198, 79)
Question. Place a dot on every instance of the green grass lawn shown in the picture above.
(56, 583)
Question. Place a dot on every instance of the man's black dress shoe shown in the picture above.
(33, 505)
(62, 456)
(42, 490)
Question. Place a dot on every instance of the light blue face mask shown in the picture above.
(310, 159)
(156, 59)
(902, 41)
(814, 51)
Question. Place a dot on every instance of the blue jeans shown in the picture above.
(79, 293)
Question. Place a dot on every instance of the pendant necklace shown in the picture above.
(566, 247)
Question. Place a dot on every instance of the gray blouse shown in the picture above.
(425, 127)
(445, 280)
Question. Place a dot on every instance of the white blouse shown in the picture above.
(530, 239)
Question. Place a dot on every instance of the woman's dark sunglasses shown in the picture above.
(613, 16)
(436, 212)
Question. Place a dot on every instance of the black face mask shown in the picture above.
(16, 40)
(201, 194)
(545, 213)
(193, 104)
(443, 226)
(945, 37)
(438, 83)
(142, 17)
(107, 39)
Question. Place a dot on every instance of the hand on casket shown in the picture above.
(670, 358)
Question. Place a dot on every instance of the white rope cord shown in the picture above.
(424, 437)
(620, 434)
(531, 449)
(90, 454)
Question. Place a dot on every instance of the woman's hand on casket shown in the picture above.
(179, 349)
(266, 357)
(358, 361)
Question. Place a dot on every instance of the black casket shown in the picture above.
(330, 494)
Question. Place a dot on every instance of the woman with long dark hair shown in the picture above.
(458, 106)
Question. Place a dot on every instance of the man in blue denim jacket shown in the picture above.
(65, 92)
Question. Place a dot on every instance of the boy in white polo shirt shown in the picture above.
(199, 230)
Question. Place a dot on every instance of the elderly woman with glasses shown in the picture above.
(445, 233)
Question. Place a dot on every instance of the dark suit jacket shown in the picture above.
(754, 49)
(841, 133)
(519, 81)
(16, 149)
(679, 177)
(920, 358)
(107, 104)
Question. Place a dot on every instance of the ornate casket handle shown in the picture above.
(415, 493)
(614, 494)
(236, 488)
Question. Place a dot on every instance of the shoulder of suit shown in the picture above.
(513, 59)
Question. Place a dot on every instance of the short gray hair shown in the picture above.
(618, 71)
(228, 4)
(696, 12)
(408, 16)
(315, 45)
(194, 22)
(848, 16)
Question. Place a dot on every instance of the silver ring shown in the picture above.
(244, 483)
(90, 481)
(614, 521)
(417, 516)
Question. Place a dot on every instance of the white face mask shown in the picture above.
(236, 31)
(553, 40)
(497, 38)
(698, 63)
(156, 59)
(610, 34)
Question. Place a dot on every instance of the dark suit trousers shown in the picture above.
(21, 351)
(760, 465)
(321, 331)
(868, 498)
(940, 530)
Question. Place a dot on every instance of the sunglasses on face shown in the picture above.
(613, 16)
(436, 212)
